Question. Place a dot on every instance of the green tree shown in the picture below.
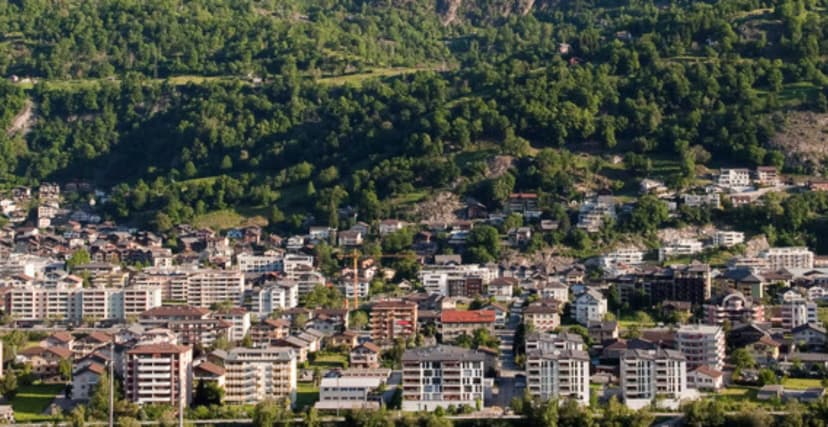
(269, 413)
(207, 394)
(358, 320)
(78, 258)
(648, 215)
(8, 386)
(483, 244)
(742, 359)
(65, 369)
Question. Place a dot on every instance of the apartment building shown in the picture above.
(702, 345)
(590, 306)
(436, 279)
(734, 178)
(628, 256)
(208, 287)
(688, 283)
(256, 374)
(789, 257)
(174, 284)
(454, 323)
(101, 303)
(138, 299)
(159, 374)
(798, 312)
(594, 212)
(239, 320)
(270, 261)
(647, 374)
(734, 307)
(352, 389)
(679, 248)
(192, 325)
(273, 296)
(728, 239)
(440, 376)
(549, 342)
(559, 374)
(39, 303)
(543, 315)
(391, 319)
(767, 176)
(712, 200)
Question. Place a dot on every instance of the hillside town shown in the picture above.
(390, 315)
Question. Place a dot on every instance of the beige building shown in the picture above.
(392, 319)
(159, 374)
(256, 374)
(559, 374)
(441, 376)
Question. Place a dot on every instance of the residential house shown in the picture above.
(705, 378)
(591, 306)
(366, 355)
(454, 323)
(543, 315)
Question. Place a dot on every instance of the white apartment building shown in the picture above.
(38, 302)
(734, 178)
(159, 374)
(30, 265)
(629, 256)
(174, 283)
(101, 303)
(138, 299)
(209, 287)
(293, 261)
(679, 247)
(256, 374)
(789, 257)
(799, 312)
(349, 392)
(702, 345)
(728, 238)
(280, 295)
(553, 342)
(269, 261)
(593, 212)
(712, 200)
(436, 278)
(440, 376)
(646, 374)
(590, 306)
(560, 374)
(238, 318)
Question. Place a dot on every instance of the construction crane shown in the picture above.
(355, 255)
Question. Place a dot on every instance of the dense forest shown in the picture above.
(682, 84)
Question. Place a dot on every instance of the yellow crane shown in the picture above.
(355, 256)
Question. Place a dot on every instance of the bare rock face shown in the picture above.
(455, 11)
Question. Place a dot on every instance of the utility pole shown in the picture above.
(112, 383)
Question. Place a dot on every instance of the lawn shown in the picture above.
(736, 394)
(31, 401)
(801, 383)
(226, 219)
(306, 394)
(329, 361)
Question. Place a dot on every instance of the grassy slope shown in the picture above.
(31, 401)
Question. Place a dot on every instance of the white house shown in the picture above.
(590, 306)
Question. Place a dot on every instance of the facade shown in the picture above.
(734, 178)
(646, 374)
(391, 319)
(679, 248)
(85, 380)
(705, 378)
(348, 392)
(561, 374)
(454, 323)
(789, 257)
(192, 325)
(728, 238)
(365, 356)
(702, 345)
(265, 263)
(273, 296)
(159, 374)
(799, 312)
(239, 320)
(256, 374)
(214, 287)
(543, 315)
(590, 306)
(440, 376)
(735, 308)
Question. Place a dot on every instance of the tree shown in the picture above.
(247, 341)
(742, 358)
(65, 369)
(767, 377)
(299, 320)
(358, 320)
(483, 244)
(705, 413)
(312, 418)
(207, 394)
(79, 257)
(8, 387)
(98, 406)
(649, 213)
(572, 414)
(317, 375)
(618, 415)
(269, 413)
(752, 417)
(77, 418)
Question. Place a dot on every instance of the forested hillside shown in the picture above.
(373, 104)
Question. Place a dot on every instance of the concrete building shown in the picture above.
(440, 376)
(679, 248)
(561, 374)
(391, 319)
(734, 178)
(454, 323)
(256, 374)
(702, 345)
(159, 374)
(590, 306)
(543, 315)
(192, 325)
(798, 312)
(735, 308)
(208, 287)
(789, 257)
(728, 239)
(273, 296)
(270, 261)
(351, 392)
(239, 320)
(646, 374)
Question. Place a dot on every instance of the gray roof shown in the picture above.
(442, 352)
(654, 354)
(558, 355)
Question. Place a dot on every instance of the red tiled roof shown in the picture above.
(710, 372)
(62, 336)
(523, 196)
(98, 336)
(63, 353)
(96, 368)
(161, 348)
(371, 346)
(211, 368)
(470, 316)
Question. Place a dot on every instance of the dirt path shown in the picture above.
(23, 121)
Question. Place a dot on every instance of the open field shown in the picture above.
(31, 401)
(801, 383)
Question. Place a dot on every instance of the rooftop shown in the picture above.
(442, 352)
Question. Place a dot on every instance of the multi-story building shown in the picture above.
(256, 374)
(138, 299)
(440, 376)
(38, 303)
(267, 262)
(797, 312)
(590, 306)
(174, 284)
(735, 308)
(789, 257)
(628, 256)
(712, 200)
(767, 176)
(208, 287)
(728, 238)
(560, 374)
(702, 345)
(101, 303)
(436, 279)
(734, 178)
(239, 320)
(273, 296)
(159, 374)
(679, 247)
(646, 374)
(391, 319)
(192, 325)
(594, 212)
(454, 323)
(549, 342)
(543, 315)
